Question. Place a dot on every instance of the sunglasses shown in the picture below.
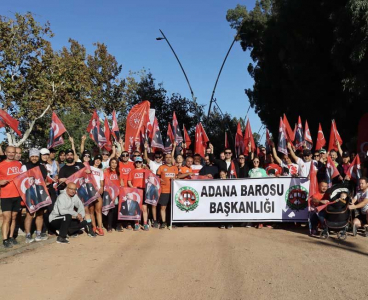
(124, 155)
(86, 155)
(104, 154)
(316, 155)
(158, 156)
(136, 155)
(227, 152)
(139, 162)
(241, 157)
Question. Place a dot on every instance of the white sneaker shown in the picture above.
(29, 240)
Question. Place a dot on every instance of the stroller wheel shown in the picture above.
(355, 230)
(324, 234)
(341, 235)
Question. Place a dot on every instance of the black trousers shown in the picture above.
(66, 225)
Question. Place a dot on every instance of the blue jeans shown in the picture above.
(317, 216)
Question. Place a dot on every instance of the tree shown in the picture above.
(310, 59)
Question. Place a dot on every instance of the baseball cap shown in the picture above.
(323, 151)
(69, 151)
(34, 152)
(345, 154)
(138, 158)
(44, 151)
(307, 152)
(98, 156)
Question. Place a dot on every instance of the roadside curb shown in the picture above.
(29, 247)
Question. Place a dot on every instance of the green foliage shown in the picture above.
(310, 59)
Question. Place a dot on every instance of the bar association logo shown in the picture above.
(187, 199)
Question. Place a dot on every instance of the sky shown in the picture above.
(197, 30)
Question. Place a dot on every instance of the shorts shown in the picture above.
(362, 218)
(164, 199)
(11, 204)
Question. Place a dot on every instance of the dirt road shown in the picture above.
(191, 263)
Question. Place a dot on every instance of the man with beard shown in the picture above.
(34, 161)
(71, 167)
(209, 170)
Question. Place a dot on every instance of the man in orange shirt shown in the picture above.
(186, 171)
(166, 172)
(10, 198)
(318, 199)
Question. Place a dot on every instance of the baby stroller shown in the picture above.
(338, 213)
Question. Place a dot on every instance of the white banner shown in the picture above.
(282, 199)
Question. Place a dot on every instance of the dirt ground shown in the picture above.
(191, 263)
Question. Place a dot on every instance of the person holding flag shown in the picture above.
(318, 199)
(305, 163)
(153, 164)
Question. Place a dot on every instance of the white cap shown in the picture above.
(44, 151)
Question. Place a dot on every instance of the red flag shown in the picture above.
(363, 134)
(156, 138)
(248, 137)
(201, 140)
(268, 141)
(95, 130)
(354, 171)
(299, 135)
(176, 130)
(320, 138)
(307, 136)
(226, 141)
(32, 189)
(137, 120)
(334, 137)
(239, 140)
(282, 143)
(289, 131)
(108, 145)
(186, 138)
(313, 183)
(115, 128)
(169, 139)
(130, 204)
(6, 119)
(232, 171)
(87, 190)
(331, 171)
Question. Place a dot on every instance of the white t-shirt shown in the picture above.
(304, 167)
(98, 175)
(105, 164)
(293, 168)
(360, 196)
(196, 168)
(154, 165)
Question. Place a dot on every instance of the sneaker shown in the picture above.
(229, 226)
(163, 226)
(90, 231)
(248, 225)
(366, 231)
(137, 227)
(29, 239)
(119, 229)
(129, 227)
(74, 235)
(7, 244)
(155, 224)
(170, 227)
(313, 232)
(44, 236)
(146, 227)
(57, 232)
(13, 241)
(61, 240)
(38, 238)
(222, 227)
(100, 232)
(259, 226)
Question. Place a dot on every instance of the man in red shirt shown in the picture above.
(125, 166)
(318, 199)
(10, 198)
(167, 173)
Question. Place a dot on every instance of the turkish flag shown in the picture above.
(354, 171)
(334, 137)
(176, 130)
(232, 171)
(248, 138)
(289, 131)
(57, 129)
(136, 123)
(307, 137)
(95, 130)
(115, 128)
(331, 171)
(363, 134)
(299, 135)
(169, 139)
(320, 138)
(239, 140)
(6, 119)
(201, 140)
(186, 138)
(282, 142)
(227, 145)
(156, 138)
(313, 184)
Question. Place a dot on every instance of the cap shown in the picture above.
(44, 151)
(52, 150)
(322, 151)
(138, 158)
(34, 152)
(98, 156)
(345, 154)
(86, 152)
(307, 152)
(105, 152)
(69, 151)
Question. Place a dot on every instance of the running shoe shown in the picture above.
(222, 227)
(129, 227)
(229, 226)
(90, 231)
(146, 227)
(163, 226)
(29, 239)
(248, 225)
(61, 240)
(38, 238)
(44, 236)
(13, 241)
(137, 227)
(100, 232)
(155, 224)
(74, 235)
(7, 244)
(119, 229)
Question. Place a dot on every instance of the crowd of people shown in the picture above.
(67, 215)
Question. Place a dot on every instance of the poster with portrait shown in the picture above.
(111, 191)
(153, 188)
(87, 189)
(130, 204)
(32, 189)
